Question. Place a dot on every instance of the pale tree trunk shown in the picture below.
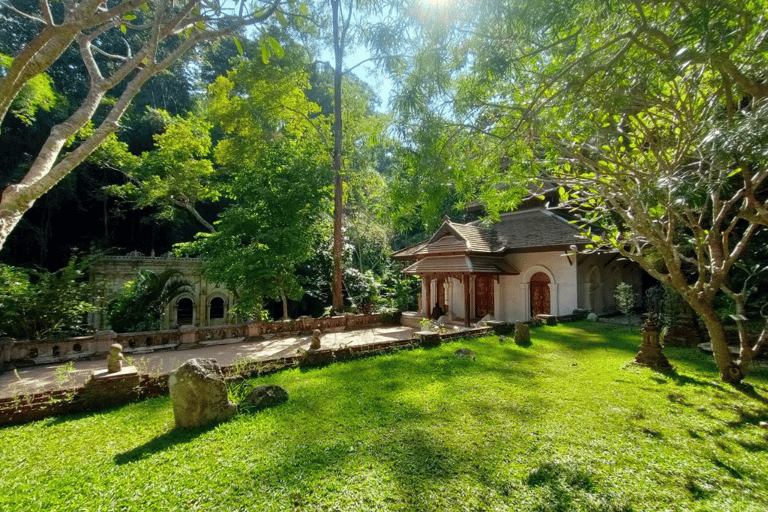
(338, 238)
(730, 371)
(85, 21)
(285, 305)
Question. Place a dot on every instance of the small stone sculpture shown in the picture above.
(115, 359)
(650, 354)
(315, 344)
(522, 334)
(265, 396)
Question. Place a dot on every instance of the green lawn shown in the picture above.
(567, 423)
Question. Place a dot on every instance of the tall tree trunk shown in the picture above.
(338, 240)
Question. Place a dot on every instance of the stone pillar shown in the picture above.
(526, 290)
(102, 342)
(466, 301)
(554, 297)
(253, 329)
(650, 354)
(188, 335)
(425, 310)
(5, 350)
(472, 293)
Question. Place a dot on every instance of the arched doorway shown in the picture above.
(185, 312)
(540, 304)
(216, 309)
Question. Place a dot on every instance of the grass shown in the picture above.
(567, 423)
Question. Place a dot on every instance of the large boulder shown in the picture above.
(261, 397)
(199, 394)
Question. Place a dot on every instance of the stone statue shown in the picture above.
(115, 359)
(315, 344)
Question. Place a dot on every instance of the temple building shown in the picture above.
(204, 304)
(525, 265)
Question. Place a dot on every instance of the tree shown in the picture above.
(165, 32)
(141, 303)
(176, 175)
(652, 116)
(280, 200)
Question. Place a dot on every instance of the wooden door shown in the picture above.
(540, 294)
(483, 296)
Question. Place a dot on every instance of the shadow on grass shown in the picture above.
(160, 444)
(750, 391)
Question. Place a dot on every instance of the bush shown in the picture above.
(36, 304)
(140, 305)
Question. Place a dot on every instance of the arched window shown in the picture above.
(216, 308)
(184, 312)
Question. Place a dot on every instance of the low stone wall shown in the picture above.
(14, 353)
(104, 391)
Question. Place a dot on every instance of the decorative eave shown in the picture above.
(462, 265)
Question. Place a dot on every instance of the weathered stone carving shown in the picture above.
(650, 351)
(315, 344)
(199, 394)
(115, 359)
(522, 333)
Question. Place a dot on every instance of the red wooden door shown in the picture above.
(540, 294)
(483, 296)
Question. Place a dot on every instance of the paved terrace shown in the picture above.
(37, 379)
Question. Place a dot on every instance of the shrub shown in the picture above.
(36, 304)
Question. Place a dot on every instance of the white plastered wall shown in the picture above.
(599, 275)
(513, 301)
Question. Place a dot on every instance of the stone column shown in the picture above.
(425, 297)
(553, 296)
(472, 293)
(102, 341)
(466, 301)
(526, 290)
(188, 335)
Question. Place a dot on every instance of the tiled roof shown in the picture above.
(537, 229)
(527, 230)
(462, 264)
(409, 252)
(462, 237)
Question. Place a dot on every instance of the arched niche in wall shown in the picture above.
(540, 291)
(185, 310)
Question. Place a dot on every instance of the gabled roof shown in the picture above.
(531, 230)
(538, 229)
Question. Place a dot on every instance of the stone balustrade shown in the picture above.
(29, 353)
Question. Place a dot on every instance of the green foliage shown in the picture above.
(175, 176)
(563, 424)
(625, 298)
(140, 305)
(36, 304)
(37, 94)
(280, 203)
